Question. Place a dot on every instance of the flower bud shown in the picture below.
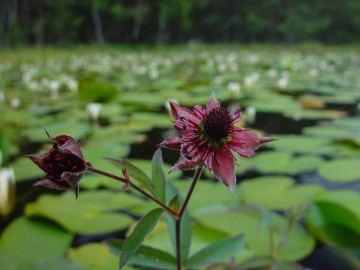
(64, 164)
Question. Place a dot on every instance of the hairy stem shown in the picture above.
(180, 215)
(191, 189)
(129, 183)
(178, 243)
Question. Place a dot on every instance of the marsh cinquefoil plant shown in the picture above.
(207, 138)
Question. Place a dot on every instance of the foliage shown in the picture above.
(178, 21)
(285, 207)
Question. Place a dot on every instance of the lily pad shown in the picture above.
(285, 162)
(25, 169)
(331, 131)
(93, 212)
(70, 127)
(95, 256)
(342, 229)
(303, 144)
(247, 220)
(340, 170)
(26, 241)
(277, 192)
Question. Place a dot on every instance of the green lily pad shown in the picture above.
(142, 100)
(25, 169)
(154, 119)
(95, 152)
(26, 241)
(309, 114)
(277, 192)
(342, 229)
(340, 170)
(331, 131)
(247, 220)
(284, 162)
(95, 256)
(93, 212)
(70, 127)
(302, 144)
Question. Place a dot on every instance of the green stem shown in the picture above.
(178, 243)
(129, 183)
(180, 215)
(191, 189)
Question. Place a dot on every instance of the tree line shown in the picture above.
(43, 22)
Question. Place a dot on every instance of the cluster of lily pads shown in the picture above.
(296, 192)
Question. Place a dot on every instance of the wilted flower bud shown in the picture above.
(64, 164)
(7, 191)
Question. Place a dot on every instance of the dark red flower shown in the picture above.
(208, 136)
(64, 164)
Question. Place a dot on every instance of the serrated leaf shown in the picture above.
(218, 251)
(158, 176)
(145, 256)
(134, 172)
(144, 226)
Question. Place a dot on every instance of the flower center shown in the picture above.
(58, 163)
(218, 123)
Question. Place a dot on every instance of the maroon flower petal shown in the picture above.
(53, 185)
(179, 112)
(224, 167)
(72, 178)
(173, 142)
(236, 115)
(199, 111)
(213, 103)
(39, 161)
(70, 146)
(183, 164)
(245, 142)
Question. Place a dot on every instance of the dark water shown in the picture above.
(323, 257)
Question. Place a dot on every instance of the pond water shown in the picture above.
(307, 98)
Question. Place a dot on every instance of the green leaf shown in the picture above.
(174, 203)
(93, 212)
(145, 256)
(218, 251)
(27, 240)
(340, 170)
(144, 226)
(158, 177)
(134, 172)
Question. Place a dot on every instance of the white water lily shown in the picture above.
(2, 96)
(7, 191)
(251, 79)
(15, 103)
(218, 79)
(283, 82)
(234, 88)
(251, 114)
(94, 111)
